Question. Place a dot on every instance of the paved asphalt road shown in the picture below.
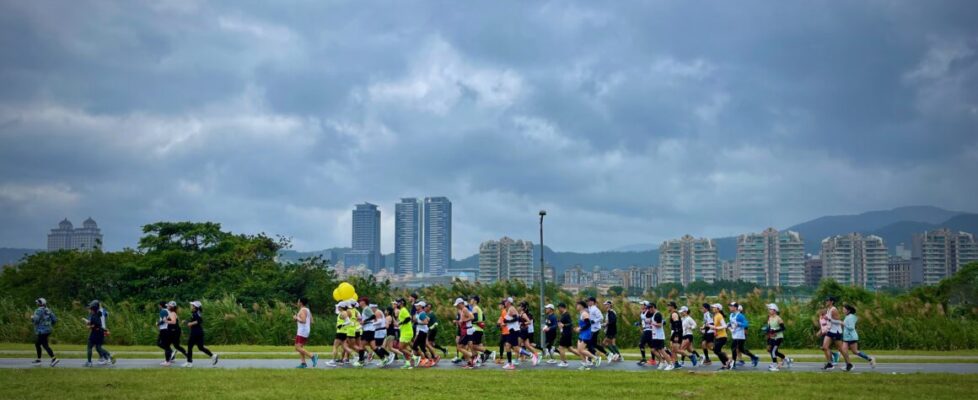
(204, 363)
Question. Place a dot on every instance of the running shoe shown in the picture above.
(597, 361)
(215, 358)
(773, 368)
(535, 359)
(660, 366)
(111, 359)
(827, 367)
(788, 362)
(415, 360)
(509, 367)
(492, 356)
(88, 364)
(849, 367)
(668, 368)
(467, 366)
(677, 366)
(551, 361)
(707, 362)
(872, 362)
(584, 368)
(187, 365)
(302, 366)
(563, 364)
(456, 360)
(641, 363)
(754, 361)
(315, 360)
(407, 366)
(54, 361)
(166, 363)
(741, 363)
(37, 361)
(102, 362)
(330, 363)
(357, 364)
(694, 359)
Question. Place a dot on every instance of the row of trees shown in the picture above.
(248, 296)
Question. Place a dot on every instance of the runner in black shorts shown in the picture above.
(550, 333)
(708, 335)
(566, 343)
(611, 332)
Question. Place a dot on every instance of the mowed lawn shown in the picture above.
(435, 384)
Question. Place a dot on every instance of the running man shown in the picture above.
(526, 334)
(421, 321)
(566, 343)
(466, 333)
(708, 334)
(645, 341)
(96, 334)
(511, 318)
(584, 335)
(775, 337)
(676, 335)
(611, 332)
(503, 330)
(850, 338)
(369, 329)
(196, 325)
(738, 332)
(391, 341)
(44, 321)
(303, 321)
(433, 335)
(834, 335)
(659, 339)
(550, 333)
(479, 325)
(163, 339)
(596, 322)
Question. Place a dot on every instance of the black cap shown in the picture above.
(561, 305)
(830, 298)
(592, 299)
(401, 301)
(673, 304)
(476, 298)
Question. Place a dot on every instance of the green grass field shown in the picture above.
(436, 384)
(25, 350)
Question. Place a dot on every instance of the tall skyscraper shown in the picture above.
(771, 258)
(366, 238)
(437, 253)
(856, 260)
(813, 271)
(65, 237)
(407, 236)
(686, 260)
(939, 254)
(506, 259)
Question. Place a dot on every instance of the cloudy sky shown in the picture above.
(629, 122)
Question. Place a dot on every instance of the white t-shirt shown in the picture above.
(596, 318)
(302, 328)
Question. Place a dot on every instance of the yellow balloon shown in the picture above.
(336, 294)
(345, 291)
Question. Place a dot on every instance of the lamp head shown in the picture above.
(543, 212)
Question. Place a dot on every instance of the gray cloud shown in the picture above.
(632, 122)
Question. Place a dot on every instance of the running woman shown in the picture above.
(549, 333)
(345, 323)
(708, 334)
(526, 333)
(406, 328)
(689, 325)
(96, 334)
(659, 340)
(566, 326)
(775, 337)
(584, 335)
(44, 321)
(720, 339)
(738, 327)
(421, 321)
(369, 329)
(163, 339)
(611, 332)
(380, 335)
(834, 334)
(850, 338)
(196, 325)
(303, 322)
(393, 334)
(596, 322)
(173, 331)
(645, 341)
(503, 331)
(676, 335)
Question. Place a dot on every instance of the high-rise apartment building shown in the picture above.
(899, 272)
(437, 233)
(813, 271)
(856, 260)
(939, 254)
(407, 237)
(365, 238)
(66, 237)
(686, 260)
(506, 259)
(771, 258)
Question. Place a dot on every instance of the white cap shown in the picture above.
(420, 304)
(171, 304)
(195, 303)
(41, 301)
(607, 302)
(773, 306)
(717, 306)
(684, 309)
(550, 306)
(372, 305)
(645, 303)
(459, 301)
(510, 300)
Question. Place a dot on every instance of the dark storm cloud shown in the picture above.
(631, 121)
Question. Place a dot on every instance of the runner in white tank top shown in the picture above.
(303, 321)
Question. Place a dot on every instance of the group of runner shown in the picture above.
(407, 330)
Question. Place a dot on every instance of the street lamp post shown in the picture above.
(542, 320)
